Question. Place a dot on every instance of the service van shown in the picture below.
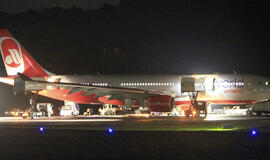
(69, 110)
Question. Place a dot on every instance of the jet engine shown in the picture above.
(161, 103)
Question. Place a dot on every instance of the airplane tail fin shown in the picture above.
(17, 59)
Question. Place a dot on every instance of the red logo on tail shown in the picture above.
(11, 53)
(13, 60)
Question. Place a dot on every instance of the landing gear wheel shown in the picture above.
(33, 104)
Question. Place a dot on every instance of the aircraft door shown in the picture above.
(187, 84)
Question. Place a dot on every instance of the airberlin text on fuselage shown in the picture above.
(226, 84)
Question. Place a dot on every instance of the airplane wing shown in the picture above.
(23, 84)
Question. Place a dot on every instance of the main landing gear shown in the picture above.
(33, 104)
(196, 108)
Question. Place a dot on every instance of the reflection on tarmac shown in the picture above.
(236, 117)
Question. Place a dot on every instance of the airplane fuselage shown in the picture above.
(225, 88)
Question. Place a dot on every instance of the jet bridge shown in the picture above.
(197, 84)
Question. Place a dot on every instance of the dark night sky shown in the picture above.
(143, 36)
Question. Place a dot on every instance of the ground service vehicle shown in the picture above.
(69, 110)
(16, 113)
(261, 107)
(237, 110)
(107, 110)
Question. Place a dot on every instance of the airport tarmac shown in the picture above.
(144, 123)
(135, 138)
(210, 117)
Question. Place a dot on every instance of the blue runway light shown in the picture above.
(110, 130)
(41, 129)
(253, 132)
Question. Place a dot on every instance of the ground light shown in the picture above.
(41, 129)
(253, 132)
(110, 130)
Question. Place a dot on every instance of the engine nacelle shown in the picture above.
(161, 103)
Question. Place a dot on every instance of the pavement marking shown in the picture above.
(229, 118)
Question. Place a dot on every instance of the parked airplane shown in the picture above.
(157, 92)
